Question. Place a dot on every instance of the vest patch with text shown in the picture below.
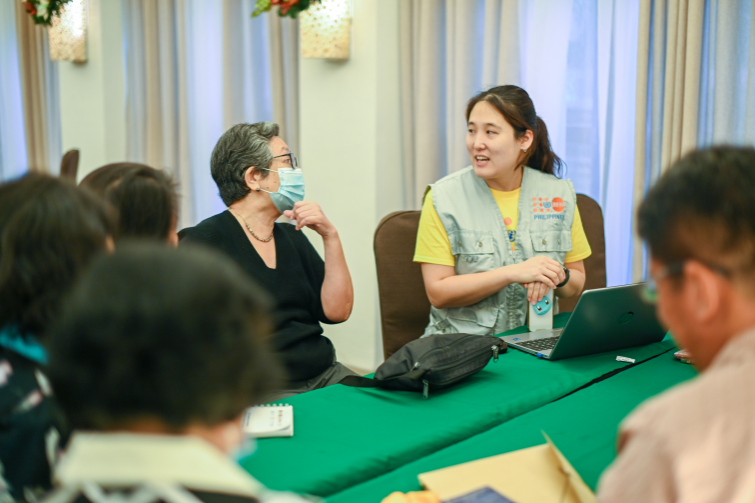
(545, 208)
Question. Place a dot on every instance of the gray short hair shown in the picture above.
(240, 147)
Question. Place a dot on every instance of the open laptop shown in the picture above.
(605, 319)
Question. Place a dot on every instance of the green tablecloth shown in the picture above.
(345, 436)
(583, 426)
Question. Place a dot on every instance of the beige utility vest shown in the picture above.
(480, 242)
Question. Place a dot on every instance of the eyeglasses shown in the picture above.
(292, 160)
(650, 292)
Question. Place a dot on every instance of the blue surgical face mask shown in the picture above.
(246, 449)
(291, 189)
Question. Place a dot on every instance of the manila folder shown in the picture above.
(532, 475)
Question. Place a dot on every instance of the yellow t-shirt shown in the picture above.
(433, 246)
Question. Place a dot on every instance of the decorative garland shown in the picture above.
(290, 8)
(42, 11)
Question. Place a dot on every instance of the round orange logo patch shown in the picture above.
(558, 204)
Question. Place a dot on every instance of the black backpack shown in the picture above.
(433, 362)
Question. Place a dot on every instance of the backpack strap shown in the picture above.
(366, 382)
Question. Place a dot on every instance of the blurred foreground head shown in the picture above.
(145, 199)
(165, 339)
(50, 230)
(700, 227)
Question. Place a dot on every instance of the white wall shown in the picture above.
(92, 99)
(350, 154)
(350, 141)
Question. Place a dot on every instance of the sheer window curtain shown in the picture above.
(39, 85)
(13, 157)
(196, 68)
(29, 111)
(576, 59)
(727, 87)
(695, 86)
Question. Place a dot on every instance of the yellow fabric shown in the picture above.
(433, 246)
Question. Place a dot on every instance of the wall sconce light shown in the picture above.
(68, 33)
(325, 28)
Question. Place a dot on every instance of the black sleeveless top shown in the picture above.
(294, 284)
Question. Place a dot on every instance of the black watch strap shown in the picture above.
(566, 271)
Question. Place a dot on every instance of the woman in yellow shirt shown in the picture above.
(503, 231)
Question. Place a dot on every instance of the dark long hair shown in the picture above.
(49, 231)
(517, 108)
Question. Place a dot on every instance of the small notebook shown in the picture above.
(269, 421)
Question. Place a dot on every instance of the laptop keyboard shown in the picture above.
(539, 344)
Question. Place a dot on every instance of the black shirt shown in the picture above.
(31, 428)
(295, 284)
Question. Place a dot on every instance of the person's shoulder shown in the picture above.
(647, 414)
(218, 221)
(539, 176)
(286, 227)
(223, 497)
(266, 496)
(454, 177)
(20, 378)
(298, 238)
(691, 407)
(551, 184)
(289, 230)
(208, 230)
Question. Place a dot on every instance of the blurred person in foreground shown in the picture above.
(696, 442)
(145, 199)
(154, 362)
(259, 179)
(50, 230)
(108, 176)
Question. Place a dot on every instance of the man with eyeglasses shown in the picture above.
(696, 442)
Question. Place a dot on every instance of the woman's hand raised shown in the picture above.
(540, 268)
(536, 291)
(309, 214)
(337, 292)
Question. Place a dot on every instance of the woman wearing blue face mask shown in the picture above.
(259, 180)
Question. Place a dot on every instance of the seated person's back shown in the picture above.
(49, 231)
(157, 356)
(696, 442)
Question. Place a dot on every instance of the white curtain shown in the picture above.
(194, 69)
(39, 86)
(695, 86)
(13, 157)
(576, 59)
(727, 90)
(29, 104)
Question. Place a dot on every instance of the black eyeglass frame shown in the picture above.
(293, 160)
(650, 292)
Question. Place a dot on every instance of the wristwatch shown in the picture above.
(566, 271)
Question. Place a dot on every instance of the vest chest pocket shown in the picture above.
(474, 251)
(553, 244)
